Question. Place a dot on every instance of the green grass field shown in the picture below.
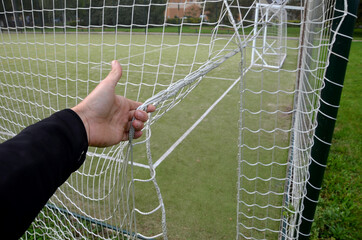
(198, 179)
(293, 31)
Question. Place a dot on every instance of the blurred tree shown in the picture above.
(359, 15)
(238, 10)
(193, 10)
(84, 12)
(158, 12)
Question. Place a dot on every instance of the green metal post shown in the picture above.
(326, 118)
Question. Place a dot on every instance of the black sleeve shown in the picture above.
(34, 164)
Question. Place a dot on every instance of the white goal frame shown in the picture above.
(274, 46)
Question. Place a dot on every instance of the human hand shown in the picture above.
(107, 117)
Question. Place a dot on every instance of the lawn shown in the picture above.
(293, 31)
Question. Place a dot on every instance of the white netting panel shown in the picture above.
(54, 53)
(260, 215)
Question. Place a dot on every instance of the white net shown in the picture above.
(263, 181)
(54, 53)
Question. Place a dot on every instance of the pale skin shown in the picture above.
(107, 117)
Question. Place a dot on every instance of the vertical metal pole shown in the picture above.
(329, 102)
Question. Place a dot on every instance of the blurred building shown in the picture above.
(184, 8)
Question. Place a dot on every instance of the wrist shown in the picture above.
(84, 119)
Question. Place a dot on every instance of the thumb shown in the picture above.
(115, 74)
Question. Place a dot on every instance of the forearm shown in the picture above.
(35, 163)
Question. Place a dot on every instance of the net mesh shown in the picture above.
(54, 53)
